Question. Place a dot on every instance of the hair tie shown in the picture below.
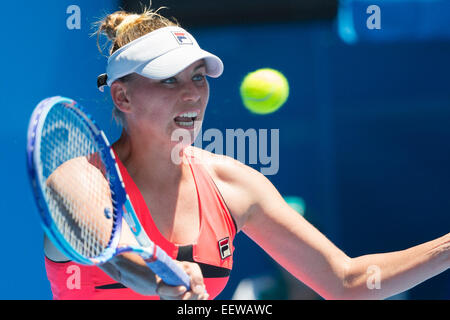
(128, 19)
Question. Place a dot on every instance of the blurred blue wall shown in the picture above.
(40, 57)
(363, 137)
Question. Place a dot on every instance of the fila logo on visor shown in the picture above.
(224, 248)
(182, 37)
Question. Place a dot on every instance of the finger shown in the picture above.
(199, 289)
(197, 284)
(188, 296)
(170, 292)
(203, 296)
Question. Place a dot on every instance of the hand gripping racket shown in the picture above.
(80, 192)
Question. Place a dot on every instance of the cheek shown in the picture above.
(151, 107)
(205, 94)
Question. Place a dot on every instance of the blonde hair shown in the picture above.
(122, 27)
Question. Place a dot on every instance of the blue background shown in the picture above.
(363, 136)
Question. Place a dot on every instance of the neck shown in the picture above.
(149, 162)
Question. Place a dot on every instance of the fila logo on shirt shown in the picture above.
(182, 38)
(224, 248)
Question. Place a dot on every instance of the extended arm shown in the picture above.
(397, 271)
(305, 252)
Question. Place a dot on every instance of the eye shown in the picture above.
(198, 77)
(169, 80)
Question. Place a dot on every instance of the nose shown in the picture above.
(191, 92)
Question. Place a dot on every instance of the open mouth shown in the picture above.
(187, 119)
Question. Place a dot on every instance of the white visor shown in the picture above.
(160, 54)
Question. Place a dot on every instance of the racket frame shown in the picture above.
(156, 258)
(37, 121)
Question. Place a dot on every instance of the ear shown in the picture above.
(120, 96)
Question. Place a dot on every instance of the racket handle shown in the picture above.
(166, 268)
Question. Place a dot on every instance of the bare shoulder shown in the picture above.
(69, 169)
(77, 171)
(242, 187)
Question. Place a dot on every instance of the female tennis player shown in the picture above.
(193, 208)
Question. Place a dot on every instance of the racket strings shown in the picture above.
(77, 192)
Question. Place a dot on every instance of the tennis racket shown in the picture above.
(80, 192)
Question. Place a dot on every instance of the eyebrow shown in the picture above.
(200, 66)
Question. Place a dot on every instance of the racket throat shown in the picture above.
(149, 254)
(150, 257)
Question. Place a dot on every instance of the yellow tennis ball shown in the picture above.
(264, 90)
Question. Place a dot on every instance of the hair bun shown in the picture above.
(122, 27)
(112, 22)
